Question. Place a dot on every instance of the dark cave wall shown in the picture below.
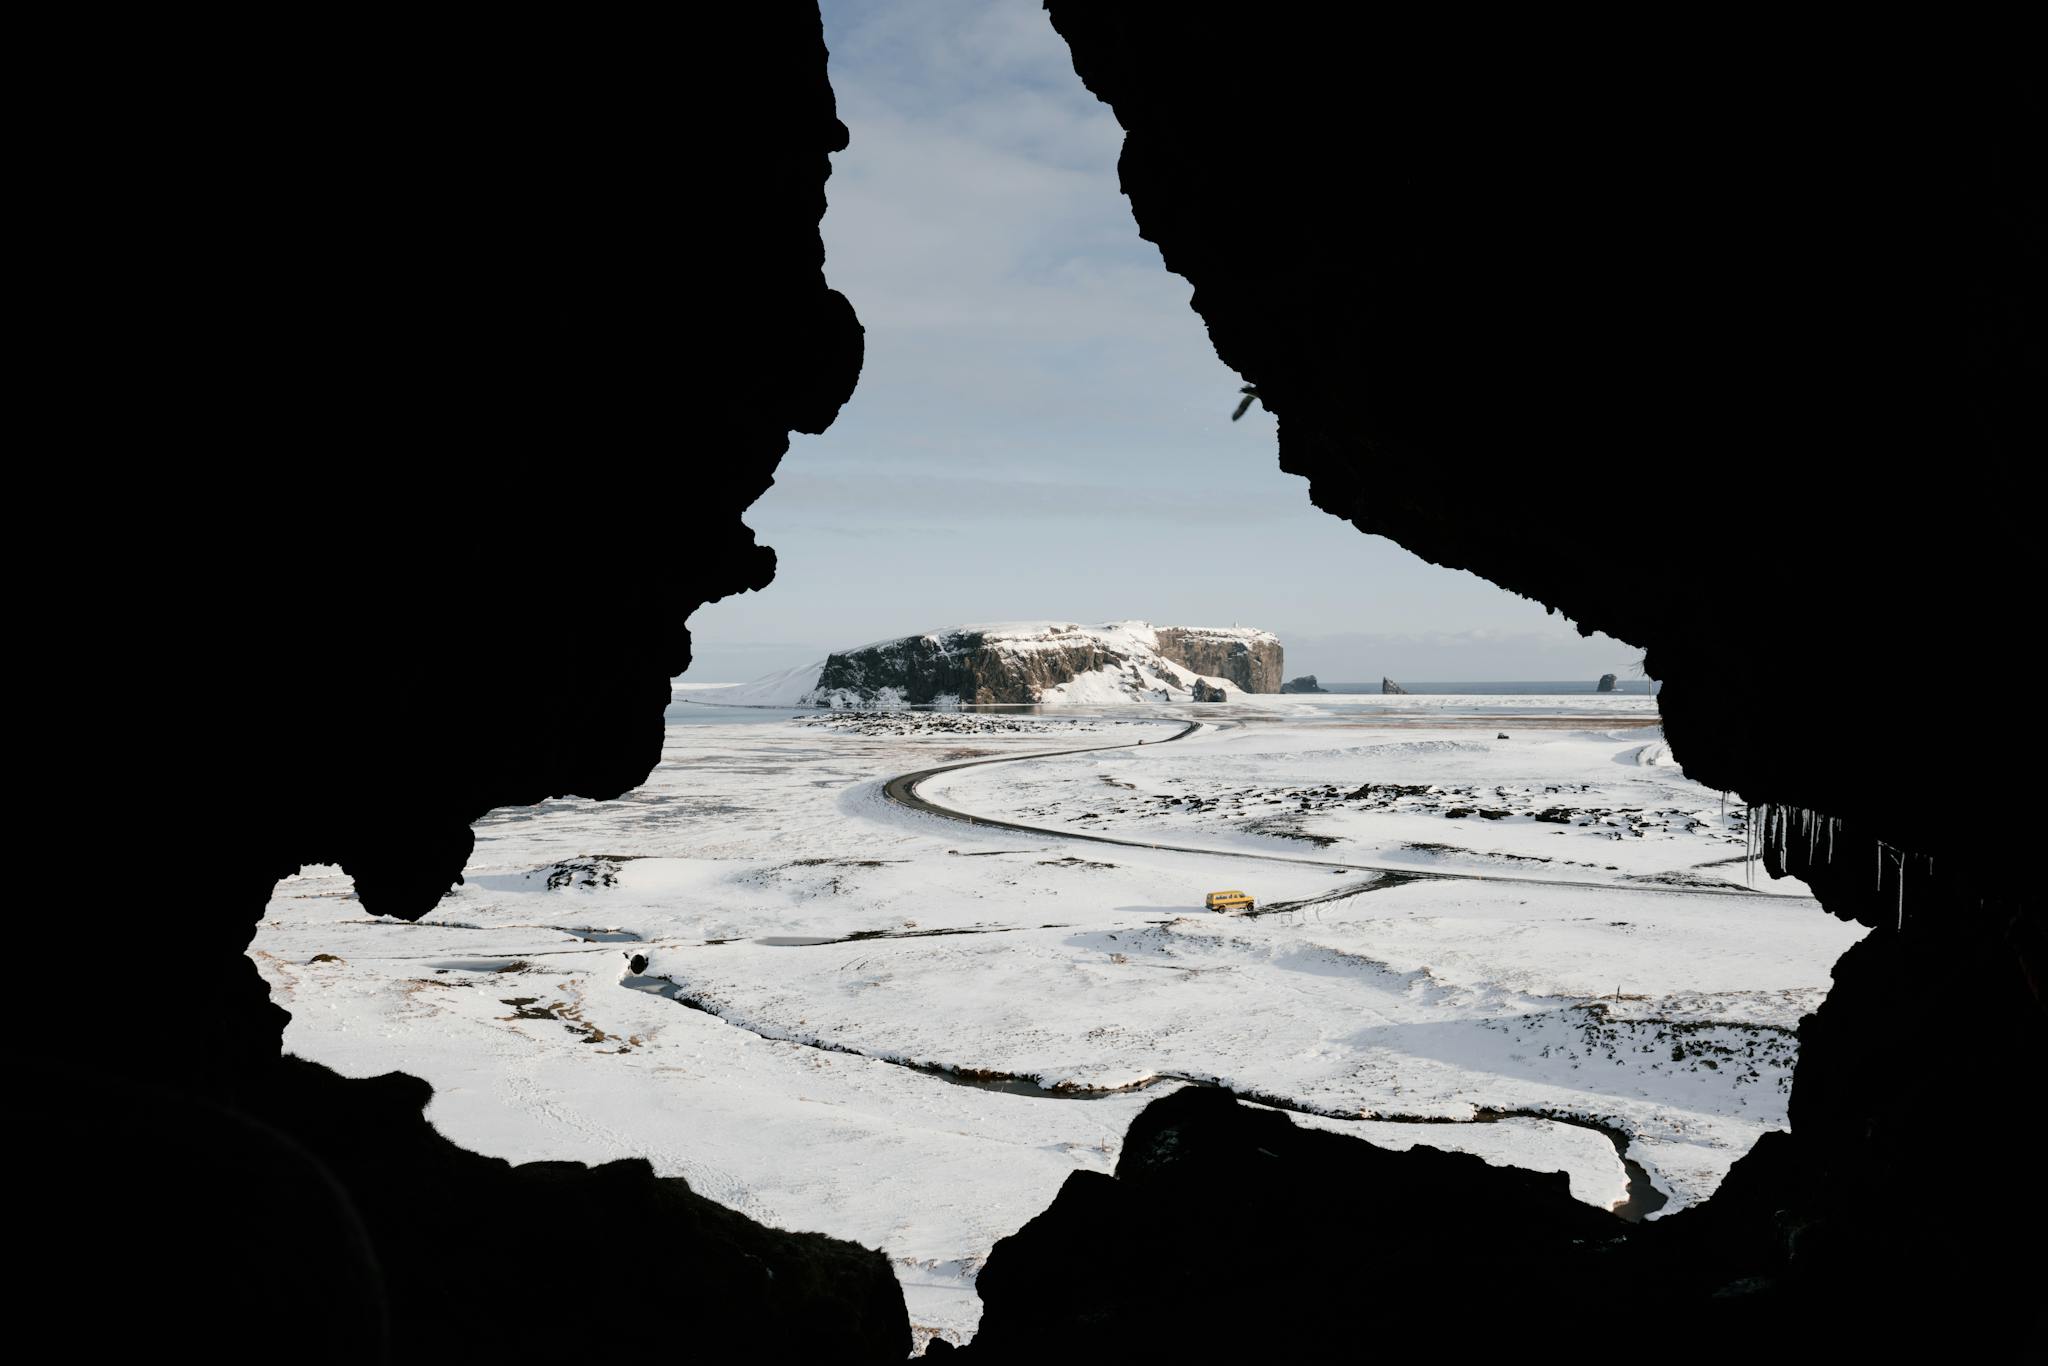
(411, 361)
(1731, 349)
(524, 428)
(452, 353)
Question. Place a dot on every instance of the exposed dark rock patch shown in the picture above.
(1451, 801)
(582, 873)
(1606, 683)
(1305, 683)
(904, 722)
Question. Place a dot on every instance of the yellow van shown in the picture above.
(1229, 901)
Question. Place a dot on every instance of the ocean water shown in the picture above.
(1552, 688)
(699, 714)
(684, 713)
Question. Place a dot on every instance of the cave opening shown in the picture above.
(690, 1015)
(1042, 423)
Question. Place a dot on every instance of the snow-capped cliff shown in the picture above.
(1031, 662)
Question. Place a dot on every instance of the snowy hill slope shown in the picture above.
(1030, 662)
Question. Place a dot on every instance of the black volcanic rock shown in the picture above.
(1385, 274)
(485, 336)
(1445, 258)
(1205, 693)
(1305, 683)
(1228, 1233)
(1606, 683)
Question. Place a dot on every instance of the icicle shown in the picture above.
(1749, 845)
(1902, 890)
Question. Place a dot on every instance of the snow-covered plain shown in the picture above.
(904, 1030)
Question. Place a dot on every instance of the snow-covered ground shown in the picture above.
(1522, 787)
(905, 1030)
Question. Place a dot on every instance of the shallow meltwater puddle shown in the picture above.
(662, 986)
(787, 941)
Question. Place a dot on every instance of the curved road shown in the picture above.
(902, 790)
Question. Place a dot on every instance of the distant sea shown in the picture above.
(1638, 686)
(681, 713)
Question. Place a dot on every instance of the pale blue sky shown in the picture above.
(1042, 429)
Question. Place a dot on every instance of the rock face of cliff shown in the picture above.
(1251, 659)
(964, 667)
(1025, 663)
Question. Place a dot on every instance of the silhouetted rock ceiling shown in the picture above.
(449, 354)
(1727, 343)
(422, 339)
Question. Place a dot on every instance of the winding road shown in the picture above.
(902, 790)
(1643, 1197)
